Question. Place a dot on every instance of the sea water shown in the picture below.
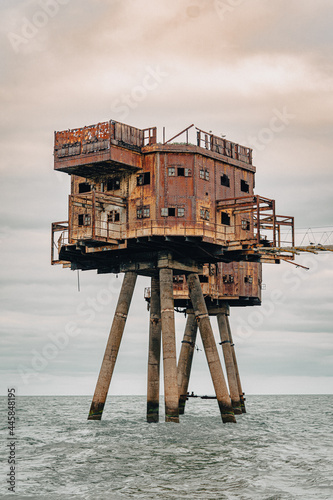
(282, 448)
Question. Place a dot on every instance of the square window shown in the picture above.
(113, 184)
(188, 172)
(181, 172)
(245, 225)
(171, 171)
(207, 214)
(180, 212)
(143, 179)
(146, 211)
(84, 187)
(202, 213)
(245, 186)
(207, 175)
(171, 212)
(84, 220)
(248, 279)
(164, 212)
(225, 181)
(202, 174)
(139, 213)
(225, 218)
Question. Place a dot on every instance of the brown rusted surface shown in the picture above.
(130, 195)
(237, 283)
(97, 148)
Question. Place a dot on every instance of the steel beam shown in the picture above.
(112, 347)
(185, 359)
(240, 390)
(214, 363)
(153, 385)
(169, 346)
(229, 362)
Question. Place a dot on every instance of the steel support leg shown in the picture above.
(112, 346)
(240, 390)
(229, 362)
(201, 314)
(153, 386)
(185, 359)
(169, 346)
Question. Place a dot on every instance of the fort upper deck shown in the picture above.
(131, 195)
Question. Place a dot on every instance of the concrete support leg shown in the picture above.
(153, 386)
(229, 362)
(185, 359)
(201, 314)
(112, 346)
(240, 390)
(169, 346)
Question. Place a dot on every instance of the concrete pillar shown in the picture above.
(169, 346)
(112, 346)
(201, 314)
(153, 386)
(185, 359)
(229, 362)
(240, 390)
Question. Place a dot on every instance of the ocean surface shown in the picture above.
(282, 448)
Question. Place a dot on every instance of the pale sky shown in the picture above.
(259, 71)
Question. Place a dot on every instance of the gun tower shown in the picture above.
(186, 215)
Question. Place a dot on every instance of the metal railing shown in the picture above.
(58, 241)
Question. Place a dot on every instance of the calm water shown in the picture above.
(281, 449)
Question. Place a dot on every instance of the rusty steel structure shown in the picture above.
(186, 215)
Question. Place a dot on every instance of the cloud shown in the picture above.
(228, 71)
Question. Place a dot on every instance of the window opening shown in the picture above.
(84, 220)
(143, 212)
(114, 216)
(171, 171)
(143, 179)
(245, 186)
(204, 214)
(228, 278)
(180, 212)
(225, 181)
(84, 187)
(113, 184)
(203, 279)
(225, 218)
(246, 225)
(181, 172)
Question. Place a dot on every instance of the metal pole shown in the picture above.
(185, 359)
(169, 346)
(201, 314)
(153, 386)
(229, 362)
(240, 390)
(112, 347)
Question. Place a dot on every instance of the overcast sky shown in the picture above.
(260, 72)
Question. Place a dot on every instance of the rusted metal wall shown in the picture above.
(223, 281)
(138, 187)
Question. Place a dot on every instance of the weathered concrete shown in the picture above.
(169, 346)
(229, 362)
(185, 359)
(201, 314)
(112, 347)
(240, 390)
(153, 385)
